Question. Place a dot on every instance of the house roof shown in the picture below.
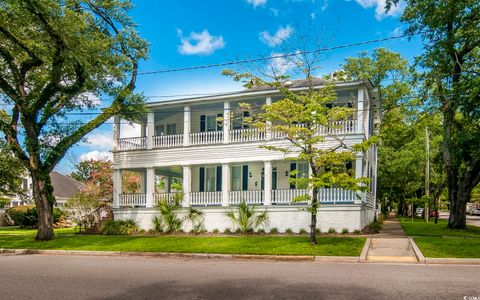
(64, 186)
(294, 85)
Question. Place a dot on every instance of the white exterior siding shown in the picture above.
(185, 153)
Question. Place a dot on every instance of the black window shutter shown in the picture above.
(219, 123)
(245, 177)
(219, 178)
(293, 167)
(246, 114)
(202, 123)
(202, 179)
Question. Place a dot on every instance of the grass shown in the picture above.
(264, 245)
(436, 240)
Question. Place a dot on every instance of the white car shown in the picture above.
(419, 212)
(476, 212)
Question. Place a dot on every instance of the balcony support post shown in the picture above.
(268, 129)
(267, 199)
(187, 185)
(150, 129)
(225, 184)
(226, 122)
(186, 125)
(360, 108)
(150, 188)
(359, 174)
(117, 187)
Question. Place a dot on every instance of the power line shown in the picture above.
(244, 61)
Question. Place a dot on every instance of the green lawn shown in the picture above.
(265, 245)
(435, 240)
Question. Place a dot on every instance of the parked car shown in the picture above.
(431, 213)
(419, 212)
(476, 212)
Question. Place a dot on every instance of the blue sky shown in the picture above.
(184, 33)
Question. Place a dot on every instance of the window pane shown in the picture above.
(171, 128)
(236, 178)
(210, 179)
(212, 123)
(302, 173)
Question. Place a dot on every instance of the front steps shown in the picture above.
(396, 250)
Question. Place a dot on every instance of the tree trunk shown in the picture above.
(313, 219)
(44, 200)
(458, 210)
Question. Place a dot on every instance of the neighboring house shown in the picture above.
(222, 164)
(64, 187)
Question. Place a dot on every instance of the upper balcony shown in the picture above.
(195, 122)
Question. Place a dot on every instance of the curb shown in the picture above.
(199, 256)
(421, 259)
(453, 261)
(363, 255)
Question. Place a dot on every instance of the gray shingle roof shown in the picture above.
(64, 186)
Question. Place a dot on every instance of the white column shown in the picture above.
(150, 129)
(267, 183)
(143, 181)
(186, 125)
(225, 184)
(117, 187)
(116, 131)
(360, 110)
(268, 130)
(310, 189)
(187, 185)
(226, 122)
(150, 190)
(359, 174)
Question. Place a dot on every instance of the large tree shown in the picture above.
(11, 174)
(57, 57)
(450, 30)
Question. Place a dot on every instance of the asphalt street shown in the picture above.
(471, 220)
(83, 277)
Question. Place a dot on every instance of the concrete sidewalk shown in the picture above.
(391, 244)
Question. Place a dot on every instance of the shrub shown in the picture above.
(261, 231)
(216, 231)
(25, 216)
(169, 221)
(273, 230)
(246, 218)
(356, 231)
(317, 231)
(302, 231)
(157, 225)
(345, 231)
(374, 227)
(227, 231)
(84, 210)
(332, 231)
(289, 231)
(120, 227)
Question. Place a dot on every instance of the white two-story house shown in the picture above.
(221, 164)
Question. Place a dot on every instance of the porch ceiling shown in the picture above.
(175, 171)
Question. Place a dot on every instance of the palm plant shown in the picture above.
(169, 221)
(246, 218)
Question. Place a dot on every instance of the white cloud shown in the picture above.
(324, 5)
(96, 155)
(99, 140)
(280, 65)
(380, 8)
(397, 31)
(199, 43)
(279, 37)
(275, 11)
(313, 16)
(256, 3)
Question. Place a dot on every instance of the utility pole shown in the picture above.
(427, 175)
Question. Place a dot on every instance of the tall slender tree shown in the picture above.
(450, 65)
(57, 57)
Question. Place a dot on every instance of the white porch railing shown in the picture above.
(204, 138)
(169, 197)
(132, 199)
(338, 127)
(286, 196)
(206, 198)
(133, 143)
(167, 141)
(246, 135)
(336, 195)
(250, 197)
